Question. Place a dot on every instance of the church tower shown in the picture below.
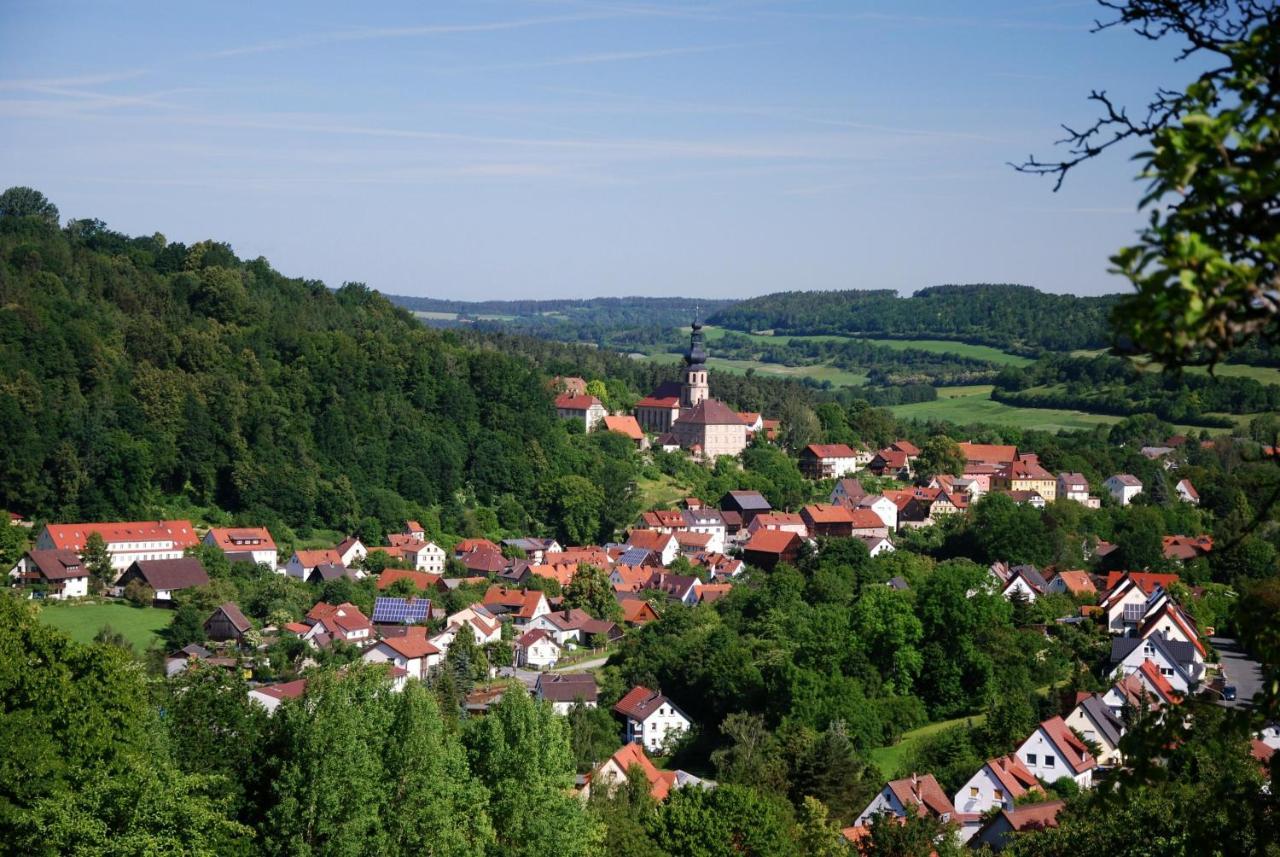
(694, 388)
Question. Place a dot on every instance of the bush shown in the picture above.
(139, 594)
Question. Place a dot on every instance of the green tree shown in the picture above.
(940, 455)
(98, 561)
(593, 735)
(590, 590)
(575, 504)
(885, 622)
(28, 202)
(728, 821)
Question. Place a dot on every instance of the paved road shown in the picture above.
(1240, 670)
(584, 666)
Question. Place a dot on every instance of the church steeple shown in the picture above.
(695, 388)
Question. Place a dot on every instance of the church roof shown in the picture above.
(697, 353)
(710, 412)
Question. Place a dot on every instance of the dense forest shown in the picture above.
(1011, 317)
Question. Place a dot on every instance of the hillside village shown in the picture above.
(479, 619)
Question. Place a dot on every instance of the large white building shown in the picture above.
(127, 542)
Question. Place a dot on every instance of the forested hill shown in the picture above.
(135, 372)
(1004, 316)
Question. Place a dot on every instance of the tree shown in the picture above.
(593, 735)
(137, 593)
(940, 455)
(1206, 268)
(884, 621)
(590, 590)
(28, 202)
(751, 757)
(575, 504)
(98, 561)
(726, 821)
(818, 836)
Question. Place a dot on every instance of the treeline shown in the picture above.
(1010, 317)
(1110, 385)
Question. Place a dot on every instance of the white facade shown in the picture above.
(982, 792)
(1178, 678)
(885, 508)
(1044, 760)
(653, 732)
(1122, 493)
(884, 803)
(540, 654)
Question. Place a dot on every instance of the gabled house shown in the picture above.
(1053, 752)
(827, 461)
(166, 576)
(664, 545)
(422, 555)
(637, 611)
(822, 519)
(571, 626)
(227, 623)
(789, 522)
(885, 509)
(588, 409)
(127, 542)
(847, 491)
(1184, 548)
(350, 551)
(1174, 660)
(270, 696)
(747, 504)
(534, 550)
(342, 622)
(483, 625)
(658, 410)
(1025, 580)
(989, 454)
(996, 831)
(302, 563)
(1145, 689)
(877, 545)
(916, 794)
(1024, 473)
(617, 768)
(523, 606)
(252, 544)
(1187, 492)
(412, 652)
(422, 581)
(651, 719)
(999, 783)
(1075, 487)
(709, 522)
(1129, 600)
(767, 548)
(1123, 487)
(891, 463)
(537, 649)
(565, 690)
(677, 587)
(1096, 722)
(60, 572)
(1171, 622)
(1077, 583)
(628, 426)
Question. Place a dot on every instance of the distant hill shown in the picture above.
(567, 319)
(1010, 317)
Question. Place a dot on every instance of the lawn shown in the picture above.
(889, 759)
(933, 346)
(83, 621)
(660, 493)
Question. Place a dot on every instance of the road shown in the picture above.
(1240, 670)
(584, 666)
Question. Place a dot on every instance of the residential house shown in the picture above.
(1187, 492)
(678, 587)
(707, 521)
(877, 545)
(252, 544)
(990, 454)
(537, 649)
(126, 542)
(1123, 487)
(523, 606)
(420, 554)
(637, 611)
(1077, 583)
(651, 719)
(789, 522)
(865, 523)
(411, 651)
(1184, 548)
(1025, 580)
(166, 576)
(1145, 689)
(483, 625)
(767, 548)
(422, 581)
(351, 550)
(534, 550)
(847, 492)
(586, 408)
(664, 545)
(617, 768)
(303, 562)
(885, 508)
(1075, 487)
(270, 696)
(342, 622)
(629, 426)
(822, 519)
(326, 571)
(1130, 596)
(1025, 474)
(752, 420)
(60, 573)
(999, 783)
(227, 623)
(565, 690)
(1170, 622)
(712, 592)
(891, 463)
(1173, 659)
(827, 461)
(1053, 752)
(996, 831)
(390, 613)
(1097, 723)
(747, 504)
(1026, 498)
(916, 794)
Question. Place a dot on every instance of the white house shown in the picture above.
(710, 522)
(248, 543)
(414, 654)
(1096, 722)
(269, 696)
(652, 719)
(882, 506)
(537, 649)
(1026, 581)
(339, 622)
(877, 545)
(1172, 659)
(997, 784)
(589, 409)
(664, 544)
(916, 794)
(1053, 752)
(60, 572)
(565, 690)
(302, 563)
(126, 542)
(350, 550)
(1123, 487)
(1073, 486)
(1127, 604)
(424, 555)
(1187, 492)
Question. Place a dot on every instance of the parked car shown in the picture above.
(1229, 693)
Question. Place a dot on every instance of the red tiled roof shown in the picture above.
(637, 612)
(825, 513)
(906, 447)
(233, 539)
(830, 450)
(624, 425)
(422, 580)
(310, 559)
(774, 520)
(1034, 816)
(284, 690)
(865, 519)
(1146, 581)
(649, 539)
(1013, 775)
(410, 646)
(345, 617)
(711, 592)
(569, 402)
(988, 453)
(1071, 747)
(1077, 582)
(633, 755)
(74, 536)
(660, 402)
(472, 545)
(1175, 614)
(772, 541)
(922, 792)
(639, 703)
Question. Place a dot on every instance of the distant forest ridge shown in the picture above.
(1007, 316)
(620, 311)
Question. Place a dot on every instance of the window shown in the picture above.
(999, 793)
(1048, 761)
(973, 791)
(1031, 758)
(1134, 612)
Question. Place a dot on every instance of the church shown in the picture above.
(685, 414)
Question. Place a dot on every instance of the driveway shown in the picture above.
(1239, 669)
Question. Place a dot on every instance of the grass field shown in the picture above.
(933, 346)
(822, 372)
(662, 492)
(889, 759)
(83, 621)
(977, 407)
(436, 316)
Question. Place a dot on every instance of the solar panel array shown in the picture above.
(406, 611)
(634, 556)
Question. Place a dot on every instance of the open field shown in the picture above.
(978, 407)
(888, 759)
(660, 493)
(818, 372)
(933, 346)
(83, 621)
(436, 316)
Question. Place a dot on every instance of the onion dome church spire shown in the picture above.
(694, 387)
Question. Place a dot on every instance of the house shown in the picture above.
(1187, 492)
(625, 424)
(1123, 487)
(767, 548)
(663, 520)
(656, 412)
(891, 463)
(420, 554)
(652, 720)
(483, 625)
(303, 563)
(390, 611)
(523, 606)
(847, 492)
(227, 623)
(1172, 659)
(1130, 596)
(1024, 473)
(588, 409)
(60, 572)
(1096, 722)
(989, 454)
(788, 522)
(166, 576)
(678, 587)
(537, 649)
(827, 461)
(126, 542)
(617, 768)
(250, 544)
(570, 384)
(351, 550)
(877, 545)
(574, 626)
(664, 545)
(822, 519)
(1073, 486)
(752, 420)
(921, 795)
(1077, 583)
(709, 430)
(342, 622)
(747, 504)
(1170, 622)
(995, 832)
(269, 696)
(637, 611)
(422, 581)
(886, 509)
(534, 550)
(412, 652)
(712, 592)
(999, 783)
(1026, 581)
(1183, 548)
(1053, 752)
(1026, 498)
(1140, 691)
(565, 690)
(709, 522)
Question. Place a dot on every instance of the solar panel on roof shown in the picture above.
(395, 611)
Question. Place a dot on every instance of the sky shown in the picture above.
(559, 149)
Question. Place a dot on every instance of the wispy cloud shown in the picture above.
(33, 84)
(595, 58)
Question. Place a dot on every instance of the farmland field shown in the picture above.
(83, 621)
(818, 372)
(933, 346)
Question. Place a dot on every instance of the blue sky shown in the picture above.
(571, 149)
